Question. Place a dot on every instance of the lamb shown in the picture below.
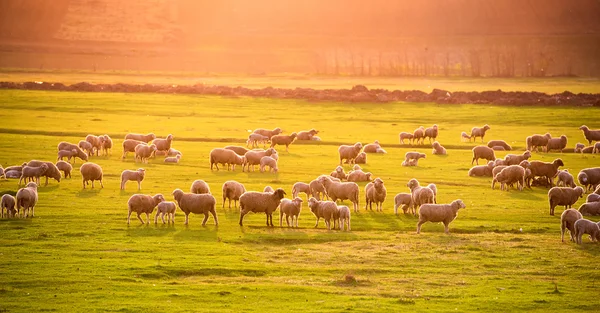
(139, 137)
(85, 146)
(253, 157)
(289, 208)
(349, 152)
(165, 208)
(567, 221)
(483, 152)
(465, 137)
(144, 152)
(344, 215)
(565, 179)
(420, 195)
(579, 148)
(241, 151)
(339, 173)
(593, 197)
(107, 145)
(129, 146)
(91, 172)
(404, 135)
(137, 175)
(410, 163)
(51, 172)
(435, 213)
(499, 143)
(96, 142)
(590, 208)
(254, 139)
(270, 162)
(433, 188)
(196, 203)
(163, 144)
(479, 132)
(232, 190)
(33, 172)
(482, 170)
(286, 140)
(340, 191)
(63, 145)
(375, 192)
(275, 156)
(174, 159)
(500, 162)
(317, 189)
(536, 140)
(563, 196)
(199, 186)
(359, 176)
(300, 187)
(413, 156)
(402, 199)
(267, 202)
(510, 175)
(27, 198)
(549, 170)
(169, 153)
(590, 135)
(438, 149)
(514, 159)
(268, 133)
(225, 156)
(67, 154)
(419, 135)
(7, 203)
(307, 135)
(583, 226)
(65, 167)
(361, 158)
(139, 204)
(431, 132)
(556, 143)
(374, 147)
(327, 210)
(589, 177)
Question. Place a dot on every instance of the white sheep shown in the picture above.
(339, 173)
(361, 158)
(579, 148)
(269, 189)
(254, 139)
(374, 147)
(129, 146)
(66, 167)
(51, 172)
(413, 156)
(307, 134)
(253, 157)
(341, 191)
(465, 137)
(479, 132)
(290, 208)
(438, 149)
(107, 145)
(196, 203)
(199, 186)
(137, 175)
(402, 199)
(567, 221)
(436, 213)
(267, 202)
(405, 136)
(144, 152)
(91, 172)
(226, 157)
(584, 226)
(482, 170)
(174, 159)
(163, 144)
(590, 135)
(563, 196)
(27, 198)
(139, 204)
(301, 187)
(344, 214)
(483, 152)
(30, 172)
(140, 137)
(96, 142)
(69, 154)
(8, 203)
(565, 179)
(232, 190)
(286, 140)
(349, 153)
(270, 162)
(359, 176)
(85, 146)
(420, 195)
(375, 192)
(268, 133)
(327, 210)
(63, 145)
(165, 208)
(433, 188)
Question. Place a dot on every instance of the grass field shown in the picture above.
(78, 254)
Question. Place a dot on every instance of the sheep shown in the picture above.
(565, 179)
(7, 203)
(579, 148)
(107, 145)
(433, 188)
(2, 173)
(139, 137)
(356, 167)
(483, 152)
(254, 139)
(232, 190)
(18, 168)
(402, 199)
(270, 162)
(590, 208)
(593, 197)
(589, 149)
(374, 147)
(241, 151)
(307, 135)
(33, 172)
(479, 132)
(431, 132)
(163, 144)
(96, 142)
(286, 140)
(317, 189)
(63, 145)
(419, 135)
(12, 174)
(165, 208)
(85, 146)
(465, 137)
(509, 175)
(413, 156)
(556, 143)
(199, 186)
(300, 187)
(404, 135)
(289, 208)
(549, 170)
(51, 172)
(253, 157)
(174, 159)
(268, 133)
(535, 141)
(567, 221)
(269, 189)
(420, 195)
(563, 196)
(67, 154)
(344, 215)
(225, 157)
(495, 171)
(137, 175)
(339, 173)
(129, 145)
(438, 149)
(499, 143)
(144, 152)
(327, 210)
(275, 156)
(139, 204)
(361, 158)
(196, 203)
(375, 192)
(435, 213)
(482, 170)
(65, 167)
(412, 162)
(359, 176)
(589, 177)
(349, 152)
(596, 148)
(267, 202)
(169, 153)
(91, 172)
(514, 159)
(583, 226)
(590, 135)
(27, 198)
(341, 191)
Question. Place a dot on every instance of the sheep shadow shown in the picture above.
(150, 230)
(197, 232)
(88, 193)
(48, 188)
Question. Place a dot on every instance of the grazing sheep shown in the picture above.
(499, 143)
(590, 208)
(85, 146)
(199, 186)
(270, 162)
(565, 179)
(139, 204)
(479, 132)
(129, 145)
(567, 221)
(413, 156)
(267, 202)
(412, 162)
(593, 197)
(33, 172)
(174, 159)
(359, 176)
(67, 154)
(344, 215)
(420, 195)
(563, 196)
(107, 145)
(341, 191)
(51, 172)
(465, 137)
(556, 143)
(361, 158)
(590, 135)
(165, 208)
(404, 135)
(137, 175)
(339, 173)
(289, 208)
(349, 152)
(139, 137)
(514, 159)
(65, 167)
(286, 140)
(404, 199)
(438, 149)
(268, 133)
(419, 135)
(307, 135)
(589, 178)
(226, 157)
(27, 198)
(254, 139)
(374, 147)
(317, 190)
(510, 175)
(483, 152)
(583, 226)
(91, 172)
(196, 203)
(96, 142)
(436, 213)
(375, 192)
(7, 203)
(241, 151)
(253, 157)
(299, 187)
(327, 210)
(63, 145)
(163, 144)
(549, 170)
(144, 152)
(535, 141)
(579, 148)
(482, 170)
(431, 132)
(232, 190)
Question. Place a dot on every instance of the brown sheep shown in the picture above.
(431, 133)
(253, 157)
(96, 142)
(91, 172)
(589, 178)
(267, 202)
(327, 210)
(341, 191)
(590, 135)
(479, 132)
(349, 152)
(375, 192)
(567, 221)
(557, 143)
(419, 135)
(203, 203)
(286, 140)
(483, 152)
(545, 169)
(499, 143)
(129, 146)
(436, 213)
(535, 141)
(583, 226)
(563, 196)
(232, 190)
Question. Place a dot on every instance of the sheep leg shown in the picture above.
(562, 232)
(281, 219)
(147, 218)
(328, 224)
(419, 226)
(139, 185)
(156, 218)
(242, 213)
(140, 218)
(348, 221)
(187, 218)
(317, 223)
(205, 218)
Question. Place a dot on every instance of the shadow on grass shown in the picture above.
(88, 193)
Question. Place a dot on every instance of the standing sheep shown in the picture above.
(420, 195)
(479, 132)
(341, 191)
(241, 151)
(96, 142)
(557, 143)
(199, 186)
(107, 145)
(139, 204)
(317, 190)
(307, 135)
(69, 154)
(402, 199)
(65, 167)
(232, 190)
(286, 140)
(545, 169)
(589, 177)
(254, 139)
(129, 146)
(301, 187)
(139, 137)
(91, 172)
(290, 208)
(270, 162)
(327, 210)
(438, 149)
(483, 152)
(86, 147)
(33, 172)
(7, 203)
(567, 221)
(514, 159)
(137, 175)
(253, 157)
(165, 208)
(590, 135)
(465, 137)
(63, 145)
(349, 153)
(419, 135)
(405, 136)
(565, 179)
(535, 141)
(375, 192)
(226, 157)
(583, 226)
(196, 203)
(431, 132)
(563, 196)
(268, 133)
(596, 148)
(436, 213)
(344, 214)
(267, 202)
(27, 198)
(499, 143)
(579, 148)
(413, 156)
(510, 175)
(51, 172)
(163, 144)
(144, 152)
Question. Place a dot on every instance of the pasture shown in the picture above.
(503, 252)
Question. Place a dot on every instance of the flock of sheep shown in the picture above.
(324, 191)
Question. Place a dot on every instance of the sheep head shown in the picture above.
(558, 162)
(584, 128)
(412, 184)
(527, 154)
(458, 204)
(356, 167)
(270, 151)
(177, 194)
(312, 203)
(525, 164)
(280, 193)
(579, 191)
(152, 136)
(486, 127)
(297, 200)
(547, 135)
(377, 183)
(158, 198)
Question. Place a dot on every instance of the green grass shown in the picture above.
(78, 254)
